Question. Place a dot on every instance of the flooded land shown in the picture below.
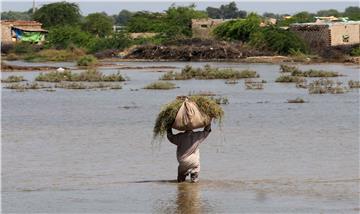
(92, 150)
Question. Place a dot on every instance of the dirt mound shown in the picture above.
(193, 50)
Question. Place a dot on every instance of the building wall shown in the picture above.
(6, 34)
(317, 37)
(202, 28)
(345, 34)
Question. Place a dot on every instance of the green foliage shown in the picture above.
(288, 78)
(277, 40)
(65, 36)
(302, 17)
(69, 54)
(123, 17)
(239, 29)
(330, 12)
(15, 15)
(178, 21)
(355, 51)
(91, 75)
(160, 85)
(98, 24)
(145, 22)
(113, 41)
(353, 13)
(58, 13)
(87, 60)
(22, 48)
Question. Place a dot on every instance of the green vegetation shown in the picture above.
(354, 84)
(168, 113)
(207, 72)
(288, 69)
(98, 24)
(58, 13)
(26, 86)
(288, 79)
(55, 55)
(13, 78)
(87, 60)
(302, 17)
(355, 51)
(264, 38)
(86, 76)
(160, 85)
(315, 73)
(81, 85)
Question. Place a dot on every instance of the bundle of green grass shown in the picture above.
(168, 113)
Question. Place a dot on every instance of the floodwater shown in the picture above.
(82, 151)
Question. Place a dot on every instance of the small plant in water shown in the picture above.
(13, 78)
(160, 85)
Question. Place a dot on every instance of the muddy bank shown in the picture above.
(7, 67)
(194, 50)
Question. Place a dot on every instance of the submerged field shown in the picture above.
(92, 149)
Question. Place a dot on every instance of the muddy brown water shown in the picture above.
(82, 151)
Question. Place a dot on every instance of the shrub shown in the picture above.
(13, 78)
(207, 72)
(161, 85)
(87, 60)
(22, 48)
(86, 76)
(355, 51)
(354, 84)
(288, 69)
(64, 36)
(288, 78)
(55, 55)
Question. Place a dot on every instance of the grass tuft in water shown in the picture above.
(160, 85)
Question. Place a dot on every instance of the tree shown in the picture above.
(15, 15)
(58, 14)
(98, 24)
(302, 17)
(353, 13)
(213, 12)
(330, 12)
(227, 11)
(62, 37)
(239, 29)
(178, 21)
(123, 17)
(145, 22)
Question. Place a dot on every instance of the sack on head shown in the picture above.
(189, 117)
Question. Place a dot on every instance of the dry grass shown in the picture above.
(354, 84)
(26, 86)
(324, 86)
(81, 85)
(253, 84)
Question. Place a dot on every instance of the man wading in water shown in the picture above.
(187, 152)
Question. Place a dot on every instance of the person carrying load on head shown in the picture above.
(187, 152)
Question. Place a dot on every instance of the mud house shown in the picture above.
(319, 35)
(15, 31)
(202, 28)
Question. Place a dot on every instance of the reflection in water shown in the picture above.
(188, 198)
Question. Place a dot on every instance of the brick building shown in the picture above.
(14, 31)
(321, 35)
